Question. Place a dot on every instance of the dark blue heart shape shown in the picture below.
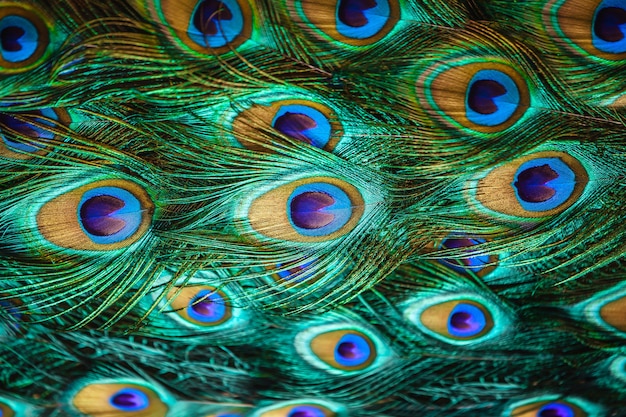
(531, 184)
(481, 96)
(351, 12)
(294, 125)
(9, 38)
(209, 14)
(608, 22)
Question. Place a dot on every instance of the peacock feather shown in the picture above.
(329, 208)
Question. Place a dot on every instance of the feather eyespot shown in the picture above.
(464, 319)
(314, 209)
(483, 96)
(6, 410)
(304, 408)
(456, 319)
(119, 399)
(607, 310)
(550, 409)
(101, 215)
(354, 22)
(200, 305)
(477, 263)
(302, 120)
(213, 27)
(24, 38)
(21, 138)
(553, 406)
(593, 27)
(339, 348)
(12, 311)
(534, 186)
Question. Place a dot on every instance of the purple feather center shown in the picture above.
(347, 350)
(209, 14)
(127, 400)
(9, 37)
(608, 22)
(531, 184)
(306, 210)
(351, 12)
(204, 307)
(481, 95)
(294, 124)
(95, 215)
(463, 321)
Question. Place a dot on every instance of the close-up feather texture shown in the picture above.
(312, 208)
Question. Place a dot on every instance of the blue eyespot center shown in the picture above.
(207, 307)
(130, 399)
(556, 410)
(544, 184)
(215, 23)
(208, 16)
(609, 26)
(19, 38)
(14, 311)
(361, 19)
(352, 350)
(318, 209)
(303, 123)
(473, 263)
(492, 98)
(27, 129)
(306, 411)
(109, 214)
(466, 320)
(298, 273)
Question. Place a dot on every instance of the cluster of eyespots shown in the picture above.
(592, 27)
(206, 27)
(352, 22)
(100, 215)
(305, 121)
(24, 38)
(485, 96)
(309, 210)
(536, 185)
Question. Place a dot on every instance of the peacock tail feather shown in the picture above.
(329, 208)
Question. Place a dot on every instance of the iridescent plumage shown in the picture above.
(312, 208)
